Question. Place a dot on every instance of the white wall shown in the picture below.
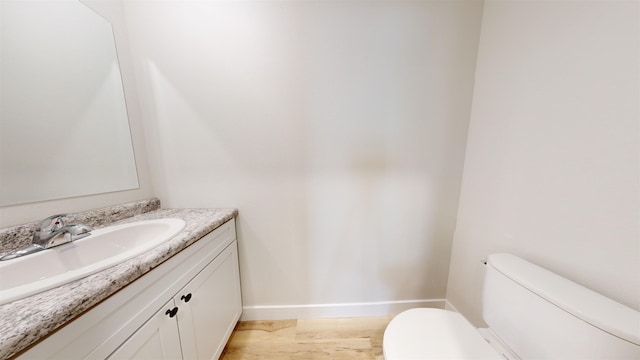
(22, 213)
(552, 162)
(337, 128)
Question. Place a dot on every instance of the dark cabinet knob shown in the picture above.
(172, 312)
(186, 298)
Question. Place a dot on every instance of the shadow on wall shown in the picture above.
(384, 242)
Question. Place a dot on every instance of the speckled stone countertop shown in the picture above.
(25, 321)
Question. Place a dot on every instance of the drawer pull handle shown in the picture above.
(186, 298)
(172, 312)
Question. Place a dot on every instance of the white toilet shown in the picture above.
(532, 313)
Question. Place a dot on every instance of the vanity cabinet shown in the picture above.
(186, 308)
(203, 311)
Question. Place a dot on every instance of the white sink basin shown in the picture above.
(31, 274)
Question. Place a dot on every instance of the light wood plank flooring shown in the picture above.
(352, 338)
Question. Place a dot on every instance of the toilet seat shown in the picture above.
(434, 334)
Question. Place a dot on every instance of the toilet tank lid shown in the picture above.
(596, 309)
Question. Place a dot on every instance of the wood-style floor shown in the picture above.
(352, 338)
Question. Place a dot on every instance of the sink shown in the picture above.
(59, 265)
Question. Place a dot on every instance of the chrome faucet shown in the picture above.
(51, 232)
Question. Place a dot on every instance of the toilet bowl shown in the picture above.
(532, 313)
(436, 334)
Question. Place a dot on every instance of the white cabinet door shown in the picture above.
(210, 306)
(157, 339)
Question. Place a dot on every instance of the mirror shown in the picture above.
(64, 130)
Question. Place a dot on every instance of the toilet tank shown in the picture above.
(541, 315)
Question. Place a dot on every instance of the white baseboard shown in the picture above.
(449, 306)
(318, 311)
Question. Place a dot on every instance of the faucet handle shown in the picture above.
(51, 223)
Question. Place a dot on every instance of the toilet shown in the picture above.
(531, 313)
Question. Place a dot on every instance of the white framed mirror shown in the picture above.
(64, 130)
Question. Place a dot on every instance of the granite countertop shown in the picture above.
(25, 321)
